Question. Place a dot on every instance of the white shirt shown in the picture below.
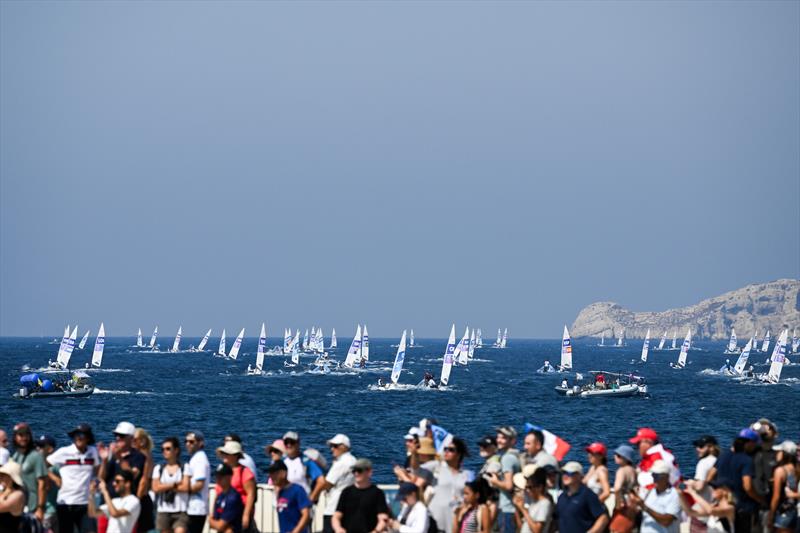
(296, 472)
(416, 521)
(4, 456)
(340, 477)
(201, 470)
(540, 511)
(76, 470)
(181, 501)
(704, 466)
(665, 503)
(247, 461)
(123, 524)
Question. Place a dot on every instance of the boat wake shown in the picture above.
(397, 387)
(91, 369)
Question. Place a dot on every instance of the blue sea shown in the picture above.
(169, 394)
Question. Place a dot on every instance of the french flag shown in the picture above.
(553, 444)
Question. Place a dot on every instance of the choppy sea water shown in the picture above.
(171, 393)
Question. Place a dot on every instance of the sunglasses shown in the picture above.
(568, 474)
(360, 470)
(119, 480)
(289, 442)
(79, 435)
(167, 448)
(190, 441)
(450, 449)
(333, 445)
(119, 436)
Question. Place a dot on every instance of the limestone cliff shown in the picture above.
(773, 305)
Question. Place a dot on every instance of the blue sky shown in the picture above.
(404, 164)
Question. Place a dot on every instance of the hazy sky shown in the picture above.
(407, 164)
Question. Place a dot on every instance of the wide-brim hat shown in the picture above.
(230, 448)
(277, 444)
(13, 470)
(426, 446)
(521, 478)
(86, 429)
(626, 452)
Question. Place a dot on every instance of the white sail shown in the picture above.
(365, 345)
(262, 344)
(687, 343)
(765, 345)
(603, 338)
(204, 341)
(479, 339)
(646, 346)
(234, 353)
(732, 341)
(795, 341)
(139, 339)
(662, 341)
(177, 344)
(399, 358)
(153, 338)
(63, 346)
(674, 338)
(63, 358)
(305, 340)
(447, 364)
(287, 340)
(472, 344)
(82, 345)
(742, 361)
(333, 339)
(411, 340)
(99, 345)
(462, 349)
(221, 350)
(566, 351)
(778, 358)
(294, 348)
(504, 340)
(499, 338)
(619, 339)
(354, 353)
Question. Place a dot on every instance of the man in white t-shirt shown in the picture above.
(4, 453)
(661, 506)
(78, 464)
(198, 489)
(123, 510)
(337, 479)
(707, 450)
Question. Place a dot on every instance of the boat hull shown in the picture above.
(56, 394)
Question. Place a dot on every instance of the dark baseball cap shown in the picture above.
(704, 441)
(45, 440)
(488, 440)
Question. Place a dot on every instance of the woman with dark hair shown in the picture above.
(12, 499)
(783, 507)
(597, 476)
(171, 485)
(537, 514)
(472, 516)
(718, 513)
(448, 484)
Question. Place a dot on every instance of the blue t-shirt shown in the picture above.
(291, 500)
(229, 507)
(313, 471)
(731, 467)
(577, 513)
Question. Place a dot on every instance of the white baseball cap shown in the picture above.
(340, 438)
(659, 467)
(125, 428)
(787, 447)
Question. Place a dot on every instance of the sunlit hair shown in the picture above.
(142, 433)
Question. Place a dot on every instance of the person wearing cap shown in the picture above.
(504, 480)
(170, 482)
(734, 468)
(34, 470)
(537, 514)
(77, 464)
(197, 510)
(597, 476)
(117, 456)
(12, 498)
(300, 471)
(362, 506)
(579, 509)
(764, 459)
(275, 451)
(226, 515)
(411, 440)
(624, 484)
(707, 451)
(243, 480)
(45, 445)
(422, 464)
(534, 452)
(413, 517)
(785, 496)
(487, 448)
(5, 455)
(122, 510)
(661, 507)
(244, 458)
(338, 477)
(650, 451)
(291, 500)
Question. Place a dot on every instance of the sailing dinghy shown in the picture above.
(732, 349)
(447, 363)
(646, 346)
(82, 344)
(778, 360)
(397, 367)
(99, 345)
(176, 345)
(262, 345)
(687, 343)
(202, 346)
(237, 344)
(221, 349)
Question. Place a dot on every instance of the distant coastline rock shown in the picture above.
(772, 305)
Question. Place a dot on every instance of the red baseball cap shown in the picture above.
(644, 433)
(597, 447)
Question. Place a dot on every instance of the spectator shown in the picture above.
(413, 516)
(718, 514)
(421, 465)
(412, 444)
(553, 481)
(534, 450)
(122, 510)
(337, 478)
(362, 506)
(579, 509)
(291, 500)
(783, 506)
(312, 455)
(707, 451)
(449, 479)
(472, 516)
(118, 456)
(78, 464)
(503, 481)
(650, 451)
(597, 476)
(12, 498)
(143, 443)
(34, 470)
(487, 447)
(244, 458)
(197, 509)
(301, 472)
(661, 506)
(243, 480)
(4, 453)
(735, 470)
(624, 484)
(46, 445)
(226, 517)
(764, 458)
(275, 451)
(536, 515)
(171, 482)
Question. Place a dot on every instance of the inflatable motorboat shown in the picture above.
(33, 386)
(605, 384)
